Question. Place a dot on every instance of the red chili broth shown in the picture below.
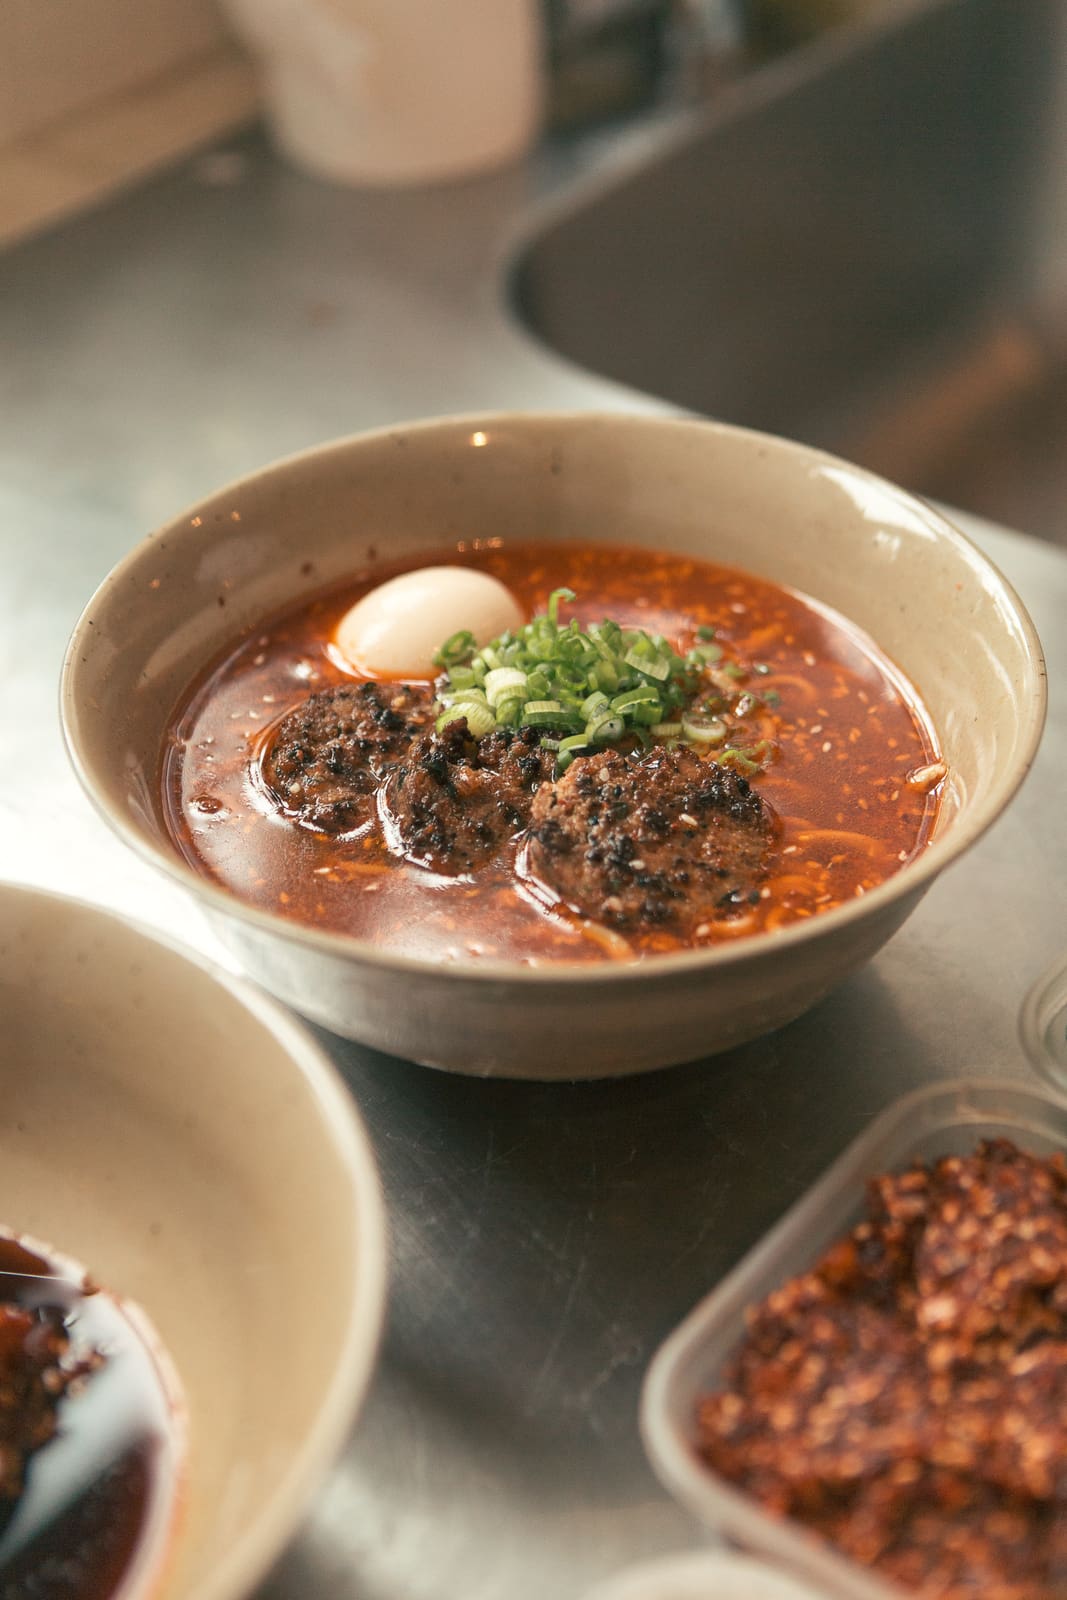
(849, 729)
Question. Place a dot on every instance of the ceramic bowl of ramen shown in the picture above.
(709, 713)
(177, 1135)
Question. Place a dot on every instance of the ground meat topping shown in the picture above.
(663, 838)
(330, 753)
(455, 800)
(906, 1399)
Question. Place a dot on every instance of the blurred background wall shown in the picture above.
(58, 56)
(94, 92)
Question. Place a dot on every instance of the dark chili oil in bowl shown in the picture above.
(98, 1498)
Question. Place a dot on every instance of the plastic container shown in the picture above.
(946, 1119)
(1043, 1024)
(387, 92)
(701, 1575)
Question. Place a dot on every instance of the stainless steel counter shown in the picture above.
(544, 1238)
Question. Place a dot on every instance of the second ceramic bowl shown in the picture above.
(187, 1142)
(893, 566)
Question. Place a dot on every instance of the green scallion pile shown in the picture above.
(587, 687)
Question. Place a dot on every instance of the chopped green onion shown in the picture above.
(475, 693)
(501, 682)
(509, 711)
(568, 748)
(703, 655)
(739, 760)
(553, 602)
(480, 719)
(607, 730)
(703, 730)
(635, 697)
(589, 686)
(749, 760)
(646, 716)
(548, 714)
(458, 647)
(658, 667)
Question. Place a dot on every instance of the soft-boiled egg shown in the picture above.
(394, 630)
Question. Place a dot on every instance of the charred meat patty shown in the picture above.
(330, 753)
(663, 839)
(454, 800)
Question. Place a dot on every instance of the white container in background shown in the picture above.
(384, 92)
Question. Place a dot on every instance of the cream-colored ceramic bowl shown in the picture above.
(788, 513)
(183, 1138)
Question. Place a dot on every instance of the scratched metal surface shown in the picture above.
(544, 1239)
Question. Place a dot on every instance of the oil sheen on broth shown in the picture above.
(852, 779)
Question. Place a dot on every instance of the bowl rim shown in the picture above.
(914, 877)
(277, 1518)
